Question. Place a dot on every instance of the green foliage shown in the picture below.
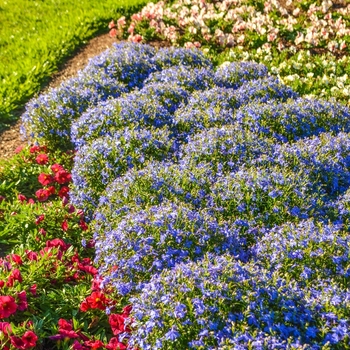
(37, 36)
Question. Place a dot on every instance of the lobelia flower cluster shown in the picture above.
(220, 205)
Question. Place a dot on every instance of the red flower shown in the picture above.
(22, 301)
(21, 198)
(29, 339)
(68, 333)
(16, 275)
(2, 283)
(39, 219)
(115, 344)
(63, 192)
(42, 195)
(34, 149)
(126, 310)
(94, 344)
(117, 323)
(83, 225)
(5, 327)
(17, 342)
(42, 159)
(15, 259)
(64, 324)
(7, 306)
(56, 167)
(32, 255)
(84, 306)
(51, 190)
(77, 346)
(45, 179)
(42, 232)
(63, 177)
(64, 226)
(31, 201)
(97, 300)
(32, 289)
(57, 242)
(89, 269)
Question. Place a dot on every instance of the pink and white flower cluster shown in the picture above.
(228, 22)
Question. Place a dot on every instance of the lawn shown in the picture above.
(36, 37)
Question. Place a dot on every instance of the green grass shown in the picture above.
(37, 36)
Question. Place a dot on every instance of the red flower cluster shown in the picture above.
(59, 178)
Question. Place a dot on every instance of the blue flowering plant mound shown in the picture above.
(219, 198)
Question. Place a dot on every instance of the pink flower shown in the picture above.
(111, 24)
(18, 149)
(113, 33)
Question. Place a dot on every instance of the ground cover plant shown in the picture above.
(173, 203)
(304, 43)
(36, 36)
(216, 197)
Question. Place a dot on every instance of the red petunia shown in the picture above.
(17, 342)
(42, 159)
(117, 323)
(51, 190)
(29, 339)
(39, 219)
(64, 226)
(57, 242)
(22, 303)
(97, 300)
(94, 344)
(8, 306)
(32, 289)
(42, 195)
(14, 258)
(115, 344)
(56, 167)
(45, 179)
(64, 324)
(22, 197)
(16, 275)
(5, 328)
(63, 177)
(83, 225)
(63, 192)
(34, 149)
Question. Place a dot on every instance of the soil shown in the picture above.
(11, 138)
